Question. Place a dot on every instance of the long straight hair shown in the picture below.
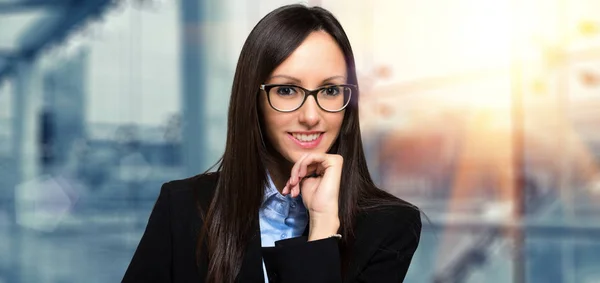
(242, 173)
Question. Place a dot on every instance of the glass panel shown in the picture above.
(472, 110)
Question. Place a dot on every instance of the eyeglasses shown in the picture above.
(289, 98)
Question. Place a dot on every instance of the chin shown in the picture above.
(294, 156)
(293, 153)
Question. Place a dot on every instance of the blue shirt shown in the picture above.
(280, 217)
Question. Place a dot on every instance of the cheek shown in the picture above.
(269, 118)
(274, 122)
(336, 122)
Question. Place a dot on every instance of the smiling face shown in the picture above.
(317, 62)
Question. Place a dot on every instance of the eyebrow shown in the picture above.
(298, 81)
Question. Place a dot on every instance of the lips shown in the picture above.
(306, 140)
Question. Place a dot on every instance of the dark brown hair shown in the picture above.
(242, 171)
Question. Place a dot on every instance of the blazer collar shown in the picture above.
(252, 268)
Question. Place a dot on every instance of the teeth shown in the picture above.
(305, 138)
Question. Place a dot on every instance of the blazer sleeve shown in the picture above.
(152, 259)
(391, 260)
(297, 260)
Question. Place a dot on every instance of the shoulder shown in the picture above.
(202, 180)
(400, 214)
(200, 187)
(390, 225)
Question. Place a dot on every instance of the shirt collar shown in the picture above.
(270, 189)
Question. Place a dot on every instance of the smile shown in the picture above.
(306, 140)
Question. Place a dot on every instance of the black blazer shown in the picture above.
(386, 240)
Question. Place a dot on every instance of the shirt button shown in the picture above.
(289, 221)
(283, 236)
(293, 205)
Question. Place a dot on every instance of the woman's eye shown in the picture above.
(331, 91)
(284, 90)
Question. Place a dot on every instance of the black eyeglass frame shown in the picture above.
(267, 87)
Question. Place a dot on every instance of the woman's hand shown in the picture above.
(317, 176)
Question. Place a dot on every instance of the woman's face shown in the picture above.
(318, 61)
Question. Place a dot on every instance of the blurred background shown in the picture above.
(484, 113)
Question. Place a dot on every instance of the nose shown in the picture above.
(309, 112)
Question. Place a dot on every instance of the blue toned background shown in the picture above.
(486, 114)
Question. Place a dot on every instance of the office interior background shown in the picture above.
(484, 113)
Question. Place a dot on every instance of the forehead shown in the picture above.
(318, 58)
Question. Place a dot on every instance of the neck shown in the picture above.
(279, 170)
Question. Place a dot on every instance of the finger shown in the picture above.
(296, 190)
(294, 173)
(310, 160)
(285, 189)
(289, 187)
(311, 171)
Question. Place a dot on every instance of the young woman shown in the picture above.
(292, 199)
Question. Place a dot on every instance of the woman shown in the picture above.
(292, 196)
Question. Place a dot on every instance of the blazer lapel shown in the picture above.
(252, 267)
